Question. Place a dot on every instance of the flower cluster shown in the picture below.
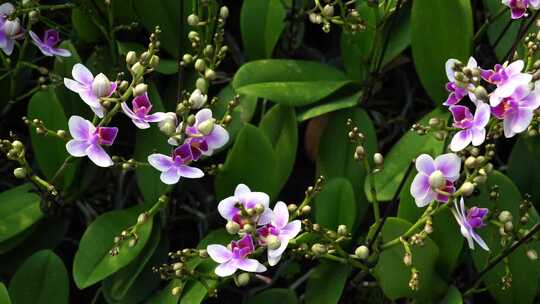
(259, 227)
(518, 8)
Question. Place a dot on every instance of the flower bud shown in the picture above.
(292, 208)
(154, 61)
(508, 226)
(467, 188)
(342, 230)
(61, 133)
(168, 125)
(209, 74)
(200, 65)
(305, 210)
(362, 252)
(201, 84)
(12, 27)
(101, 86)
(131, 58)
(259, 208)
(176, 291)
(328, 10)
(437, 179)
(224, 12)
(33, 16)
(407, 259)
(206, 126)
(17, 145)
(470, 162)
(232, 227)
(378, 159)
(481, 93)
(137, 68)
(19, 173)
(123, 85)
(197, 99)
(318, 249)
(480, 179)
(142, 218)
(434, 122)
(193, 20)
(532, 254)
(273, 242)
(248, 228)
(140, 89)
(505, 216)
(187, 58)
(242, 279)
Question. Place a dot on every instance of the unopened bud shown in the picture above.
(306, 210)
(532, 254)
(200, 65)
(434, 122)
(470, 162)
(318, 249)
(131, 58)
(19, 173)
(154, 61)
(101, 86)
(467, 188)
(505, 216)
(168, 125)
(328, 10)
(140, 89)
(273, 242)
(206, 126)
(201, 84)
(209, 74)
(232, 227)
(407, 259)
(362, 252)
(292, 208)
(175, 291)
(481, 93)
(193, 20)
(342, 230)
(242, 279)
(197, 99)
(137, 68)
(142, 218)
(378, 159)
(17, 145)
(248, 228)
(437, 179)
(187, 58)
(224, 12)
(259, 208)
(508, 226)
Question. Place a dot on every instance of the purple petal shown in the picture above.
(220, 254)
(128, 111)
(89, 98)
(203, 115)
(265, 217)
(281, 215)
(291, 230)
(481, 116)
(160, 162)
(461, 140)
(156, 117)
(424, 163)
(479, 240)
(82, 74)
(250, 265)
(515, 67)
(6, 9)
(8, 46)
(142, 101)
(420, 187)
(98, 156)
(253, 198)
(449, 164)
(170, 177)
(77, 148)
(80, 128)
(73, 85)
(517, 12)
(478, 136)
(532, 101)
(226, 269)
(227, 209)
(107, 135)
(190, 172)
(217, 138)
(61, 52)
(521, 119)
(507, 127)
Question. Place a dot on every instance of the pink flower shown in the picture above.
(10, 30)
(235, 257)
(139, 115)
(517, 109)
(249, 200)
(87, 141)
(435, 178)
(277, 234)
(518, 8)
(175, 166)
(468, 222)
(47, 46)
(456, 92)
(473, 128)
(507, 80)
(205, 135)
(89, 88)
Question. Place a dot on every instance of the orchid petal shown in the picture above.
(80, 128)
(160, 162)
(449, 164)
(227, 208)
(77, 148)
(425, 164)
(82, 74)
(190, 172)
(170, 177)
(219, 253)
(225, 269)
(461, 140)
(98, 156)
(281, 215)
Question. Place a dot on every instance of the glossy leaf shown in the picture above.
(251, 161)
(288, 82)
(274, 295)
(93, 261)
(321, 290)
(242, 113)
(165, 296)
(402, 154)
(498, 25)
(42, 279)
(269, 16)
(524, 165)
(440, 30)
(335, 204)
(400, 36)
(4, 295)
(453, 296)
(19, 209)
(332, 105)
(86, 29)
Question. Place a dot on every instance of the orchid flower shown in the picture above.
(517, 109)
(205, 135)
(175, 166)
(89, 88)
(518, 8)
(277, 234)
(48, 46)
(139, 115)
(10, 30)
(473, 128)
(468, 222)
(456, 92)
(249, 200)
(87, 141)
(197, 99)
(435, 178)
(507, 79)
(234, 258)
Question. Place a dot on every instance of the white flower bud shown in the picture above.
(508, 226)
(101, 86)
(378, 159)
(328, 10)
(137, 68)
(210, 74)
(206, 126)
(436, 179)
(131, 57)
(154, 61)
(168, 125)
(19, 173)
(200, 65)
(193, 20)
(259, 208)
(342, 230)
(140, 89)
(362, 252)
(197, 99)
(242, 279)
(532, 254)
(232, 227)
(470, 162)
(505, 216)
(224, 12)
(318, 249)
(467, 188)
(248, 228)
(273, 242)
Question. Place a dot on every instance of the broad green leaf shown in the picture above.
(335, 204)
(4, 295)
(336, 152)
(393, 275)
(19, 209)
(165, 296)
(150, 141)
(272, 296)
(440, 30)
(251, 161)
(453, 296)
(289, 82)
(400, 36)
(93, 262)
(333, 104)
(42, 279)
(50, 152)
(242, 113)
(269, 18)
(279, 125)
(524, 165)
(15, 241)
(402, 154)
(525, 272)
(321, 289)
(86, 29)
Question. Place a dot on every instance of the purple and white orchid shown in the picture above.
(468, 222)
(517, 109)
(456, 92)
(140, 112)
(205, 135)
(235, 257)
(87, 140)
(10, 30)
(507, 79)
(175, 166)
(48, 46)
(277, 234)
(435, 178)
(89, 88)
(518, 8)
(473, 128)
(249, 200)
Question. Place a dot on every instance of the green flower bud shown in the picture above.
(209, 74)
(200, 65)
(193, 20)
(318, 249)
(342, 230)
(140, 89)
(137, 68)
(224, 12)
(187, 58)
(259, 208)
(467, 188)
(20, 173)
(362, 252)
(206, 126)
(437, 179)
(131, 58)
(154, 61)
(273, 242)
(242, 279)
(232, 227)
(201, 84)
(505, 216)
(378, 159)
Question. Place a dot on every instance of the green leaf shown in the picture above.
(333, 104)
(4, 296)
(336, 152)
(92, 261)
(50, 152)
(251, 161)
(165, 296)
(335, 204)
(289, 82)
(19, 209)
(279, 125)
(272, 296)
(84, 26)
(42, 279)
(524, 165)
(322, 290)
(497, 26)
(402, 154)
(242, 113)
(400, 36)
(269, 16)
(150, 141)
(453, 296)
(393, 275)
(525, 272)
(440, 30)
